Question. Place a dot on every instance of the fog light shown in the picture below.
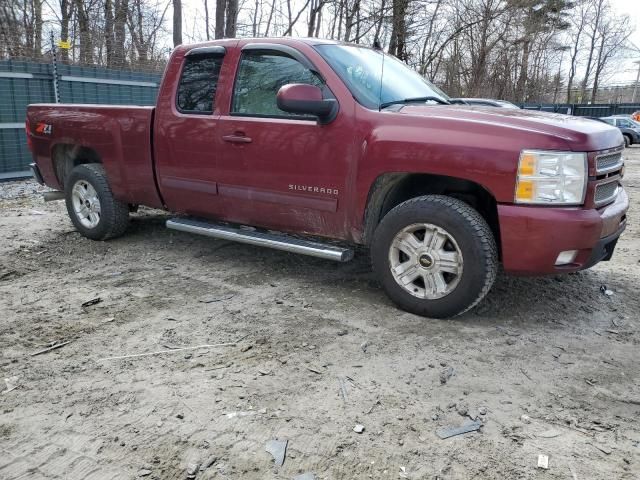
(566, 257)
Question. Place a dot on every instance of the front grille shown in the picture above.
(609, 162)
(606, 192)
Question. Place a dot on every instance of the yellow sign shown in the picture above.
(65, 44)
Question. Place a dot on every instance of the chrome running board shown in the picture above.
(262, 239)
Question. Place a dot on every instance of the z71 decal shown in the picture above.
(44, 128)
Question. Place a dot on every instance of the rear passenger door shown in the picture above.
(280, 170)
(185, 137)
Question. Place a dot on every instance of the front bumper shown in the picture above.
(532, 237)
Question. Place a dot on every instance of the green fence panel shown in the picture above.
(23, 83)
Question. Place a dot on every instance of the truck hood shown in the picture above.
(581, 134)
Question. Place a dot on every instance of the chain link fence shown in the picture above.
(23, 82)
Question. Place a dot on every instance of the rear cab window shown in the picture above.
(199, 81)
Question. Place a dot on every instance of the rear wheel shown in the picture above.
(435, 256)
(94, 211)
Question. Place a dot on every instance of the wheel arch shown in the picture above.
(391, 189)
(66, 156)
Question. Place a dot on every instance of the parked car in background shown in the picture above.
(628, 126)
(486, 102)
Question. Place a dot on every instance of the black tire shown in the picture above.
(474, 240)
(114, 215)
(627, 141)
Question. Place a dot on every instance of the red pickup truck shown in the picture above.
(320, 146)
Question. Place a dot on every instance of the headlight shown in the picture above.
(556, 178)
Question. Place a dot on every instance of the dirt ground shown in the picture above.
(304, 351)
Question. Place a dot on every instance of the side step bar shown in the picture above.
(262, 239)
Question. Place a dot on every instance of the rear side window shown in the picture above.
(260, 76)
(198, 83)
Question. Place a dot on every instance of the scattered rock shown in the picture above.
(358, 428)
(482, 410)
(342, 333)
(525, 419)
(446, 374)
(462, 410)
(192, 469)
(364, 346)
(246, 348)
(144, 472)
(180, 416)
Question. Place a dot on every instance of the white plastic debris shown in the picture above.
(543, 461)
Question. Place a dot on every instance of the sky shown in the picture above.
(626, 73)
(628, 70)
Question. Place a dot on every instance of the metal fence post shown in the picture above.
(54, 60)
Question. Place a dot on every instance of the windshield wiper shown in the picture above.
(416, 99)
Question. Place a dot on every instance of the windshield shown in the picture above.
(360, 68)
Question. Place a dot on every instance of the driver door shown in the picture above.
(279, 170)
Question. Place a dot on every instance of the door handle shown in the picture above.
(237, 137)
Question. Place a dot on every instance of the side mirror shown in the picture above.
(306, 100)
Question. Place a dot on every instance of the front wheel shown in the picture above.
(94, 211)
(435, 256)
(627, 141)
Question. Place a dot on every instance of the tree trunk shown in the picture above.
(177, 22)
(232, 19)
(120, 32)
(398, 43)
(220, 7)
(65, 16)
(108, 32)
(206, 18)
(84, 32)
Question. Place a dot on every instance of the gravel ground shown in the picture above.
(300, 350)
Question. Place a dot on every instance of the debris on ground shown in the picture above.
(192, 470)
(305, 476)
(549, 434)
(54, 346)
(358, 428)
(144, 472)
(525, 419)
(364, 345)
(216, 299)
(482, 410)
(93, 301)
(603, 448)
(210, 461)
(160, 352)
(11, 383)
(543, 461)
(278, 450)
(606, 291)
(446, 374)
(314, 369)
(447, 432)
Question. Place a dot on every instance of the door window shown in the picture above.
(260, 76)
(198, 83)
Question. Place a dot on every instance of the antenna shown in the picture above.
(381, 77)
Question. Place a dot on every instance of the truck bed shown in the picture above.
(120, 136)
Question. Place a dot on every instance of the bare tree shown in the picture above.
(177, 22)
